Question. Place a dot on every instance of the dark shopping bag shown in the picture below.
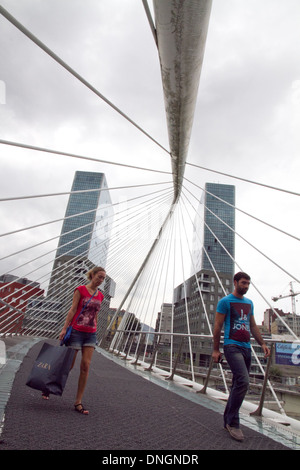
(51, 369)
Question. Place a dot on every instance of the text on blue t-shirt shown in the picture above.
(237, 320)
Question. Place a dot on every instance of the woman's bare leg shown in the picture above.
(87, 353)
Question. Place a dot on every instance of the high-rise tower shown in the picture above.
(85, 230)
(214, 241)
(84, 238)
(213, 252)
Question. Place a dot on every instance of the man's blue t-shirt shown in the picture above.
(237, 319)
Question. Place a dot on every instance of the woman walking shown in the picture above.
(83, 318)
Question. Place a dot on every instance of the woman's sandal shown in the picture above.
(81, 410)
(45, 396)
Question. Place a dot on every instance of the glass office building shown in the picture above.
(214, 241)
(213, 251)
(83, 244)
(85, 234)
(85, 230)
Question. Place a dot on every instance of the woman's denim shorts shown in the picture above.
(80, 339)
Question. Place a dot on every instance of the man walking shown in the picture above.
(236, 313)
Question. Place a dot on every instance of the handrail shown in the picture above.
(184, 336)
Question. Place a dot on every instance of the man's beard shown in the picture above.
(242, 290)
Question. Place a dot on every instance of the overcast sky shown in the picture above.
(246, 121)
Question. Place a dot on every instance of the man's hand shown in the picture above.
(266, 350)
(219, 320)
(217, 356)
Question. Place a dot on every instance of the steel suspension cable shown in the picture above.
(19, 289)
(244, 179)
(255, 287)
(54, 56)
(81, 191)
(81, 157)
(244, 212)
(255, 355)
(77, 239)
(250, 244)
(58, 220)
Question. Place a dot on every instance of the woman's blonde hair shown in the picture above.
(94, 270)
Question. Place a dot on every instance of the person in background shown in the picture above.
(83, 316)
(236, 313)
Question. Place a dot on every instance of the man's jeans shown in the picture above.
(239, 360)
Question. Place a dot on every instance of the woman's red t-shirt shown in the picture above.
(87, 320)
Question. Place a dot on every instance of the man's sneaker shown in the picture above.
(235, 433)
